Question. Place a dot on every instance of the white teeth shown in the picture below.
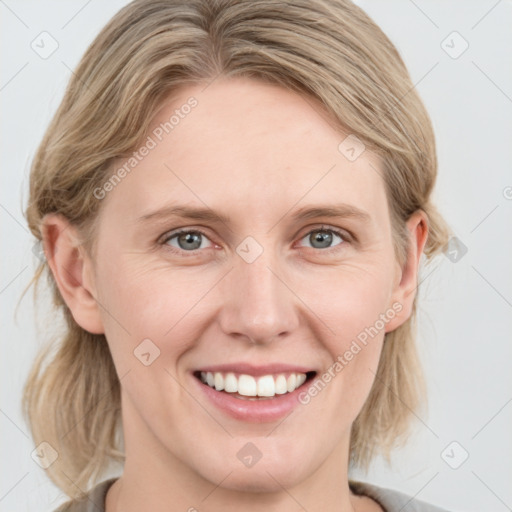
(218, 381)
(291, 382)
(266, 386)
(230, 383)
(247, 385)
(301, 378)
(281, 388)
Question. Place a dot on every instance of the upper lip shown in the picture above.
(251, 369)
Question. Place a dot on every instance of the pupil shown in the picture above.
(324, 238)
(192, 239)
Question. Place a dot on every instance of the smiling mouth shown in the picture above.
(247, 387)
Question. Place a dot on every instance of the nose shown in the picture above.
(257, 302)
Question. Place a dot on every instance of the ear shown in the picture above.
(72, 269)
(407, 275)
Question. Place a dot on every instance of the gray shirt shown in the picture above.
(389, 499)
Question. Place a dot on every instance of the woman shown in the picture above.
(233, 199)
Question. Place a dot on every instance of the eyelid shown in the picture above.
(172, 233)
(346, 235)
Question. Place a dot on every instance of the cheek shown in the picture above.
(354, 308)
(142, 301)
(349, 299)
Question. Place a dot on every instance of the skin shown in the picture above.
(296, 303)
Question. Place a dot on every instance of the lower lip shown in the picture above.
(254, 411)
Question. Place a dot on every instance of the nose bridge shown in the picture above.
(258, 305)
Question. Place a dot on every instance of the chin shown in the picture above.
(262, 477)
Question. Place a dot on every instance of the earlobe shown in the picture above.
(71, 269)
(405, 290)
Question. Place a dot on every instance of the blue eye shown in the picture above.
(192, 240)
(324, 238)
(186, 240)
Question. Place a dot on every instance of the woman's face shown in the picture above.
(274, 288)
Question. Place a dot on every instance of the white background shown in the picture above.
(465, 319)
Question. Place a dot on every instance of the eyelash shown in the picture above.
(164, 241)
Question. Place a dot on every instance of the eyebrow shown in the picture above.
(307, 212)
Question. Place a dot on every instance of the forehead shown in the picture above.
(250, 146)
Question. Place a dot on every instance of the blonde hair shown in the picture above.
(326, 49)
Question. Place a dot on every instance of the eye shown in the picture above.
(186, 240)
(323, 238)
(192, 240)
